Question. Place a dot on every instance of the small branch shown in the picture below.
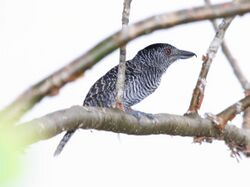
(235, 66)
(230, 112)
(122, 65)
(51, 85)
(198, 93)
(119, 122)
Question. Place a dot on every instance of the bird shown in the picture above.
(142, 77)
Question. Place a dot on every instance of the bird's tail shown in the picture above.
(63, 142)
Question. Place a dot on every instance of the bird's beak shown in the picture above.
(185, 54)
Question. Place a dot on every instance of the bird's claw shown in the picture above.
(138, 114)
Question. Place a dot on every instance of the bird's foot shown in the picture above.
(139, 114)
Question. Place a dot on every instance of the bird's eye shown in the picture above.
(168, 51)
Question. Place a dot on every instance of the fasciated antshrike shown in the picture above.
(142, 77)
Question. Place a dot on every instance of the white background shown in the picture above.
(39, 36)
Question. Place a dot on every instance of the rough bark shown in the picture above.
(119, 122)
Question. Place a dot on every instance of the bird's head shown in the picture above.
(161, 55)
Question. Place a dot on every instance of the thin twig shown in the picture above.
(235, 66)
(122, 65)
(198, 93)
(119, 122)
(53, 83)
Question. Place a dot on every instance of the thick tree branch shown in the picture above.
(120, 122)
(122, 65)
(51, 84)
(198, 93)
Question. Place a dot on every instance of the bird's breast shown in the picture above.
(139, 87)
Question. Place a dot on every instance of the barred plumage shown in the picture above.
(142, 77)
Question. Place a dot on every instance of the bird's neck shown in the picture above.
(155, 64)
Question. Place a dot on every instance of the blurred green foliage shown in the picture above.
(9, 159)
